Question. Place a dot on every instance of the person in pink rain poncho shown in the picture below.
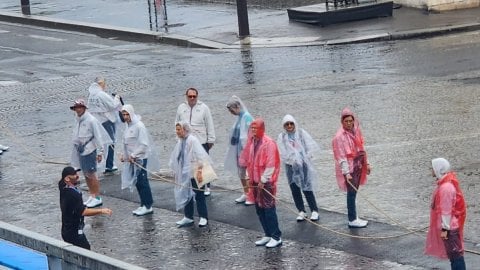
(447, 217)
(351, 165)
(262, 160)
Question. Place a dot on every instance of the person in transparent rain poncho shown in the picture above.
(297, 149)
(237, 140)
(189, 155)
(138, 157)
(88, 140)
(351, 165)
(105, 108)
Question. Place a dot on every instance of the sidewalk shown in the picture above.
(215, 25)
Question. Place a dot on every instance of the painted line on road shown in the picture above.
(94, 45)
(46, 38)
(4, 31)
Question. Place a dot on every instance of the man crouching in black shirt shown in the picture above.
(73, 210)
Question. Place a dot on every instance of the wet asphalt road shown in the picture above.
(416, 100)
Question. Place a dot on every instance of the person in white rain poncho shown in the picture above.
(237, 140)
(189, 155)
(88, 139)
(297, 149)
(137, 148)
(105, 108)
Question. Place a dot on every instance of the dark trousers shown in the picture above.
(352, 194)
(205, 146)
(268, 219)
(79, 240)
(201, 203)
(110, 128)
(297, 192)
(143, 186)
(453, 246)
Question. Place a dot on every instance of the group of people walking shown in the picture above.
(252, 156)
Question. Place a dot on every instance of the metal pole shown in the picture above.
(242, 13)
(25, 6)
(149, 13)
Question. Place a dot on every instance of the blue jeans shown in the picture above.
(268, 219)
(143, 187)
(297, 192)
(205, 146)
(110, 128)
(352, 194)
(201, 203)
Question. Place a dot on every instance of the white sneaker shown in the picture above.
(358, 223)
(4, 148)
(241, 199)
(314, 216)
(248, 203)
(94, 202)
(144, 211)
(136, 210)
(262, 241)
(207, 191)
(301, 216)
(274, 243)
(1, 152)
(88, 200)
(203, 222)
(184, 222)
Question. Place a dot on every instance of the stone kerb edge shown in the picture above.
(59, 249)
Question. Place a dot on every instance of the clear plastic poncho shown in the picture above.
(187, 154)
(298, 149)
(238, 135)
(138, 144)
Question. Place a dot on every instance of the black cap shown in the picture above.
(69, 171)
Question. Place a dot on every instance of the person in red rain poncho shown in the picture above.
(351, 164)
(447, 217)
(262, 160)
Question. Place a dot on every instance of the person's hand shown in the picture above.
(99, 158)
(106, 211)
(122, 158)
(444, 235)
(210, 145)
(369, 169)
(348, 177)
(261, 185)
(199, 176)
(131, 159)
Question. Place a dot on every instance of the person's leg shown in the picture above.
(110, 128)
(296, 193)
(143, 186)
(271, 222)
(200, 198)
(88, 165)
(352, 194)
(453, 247)
(205, 146)
(312, 203)
(261, 216)
(188, 210)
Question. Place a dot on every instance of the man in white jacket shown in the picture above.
(197, 114)
(105, 108)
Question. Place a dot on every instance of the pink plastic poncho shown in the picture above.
(447, 200)
(347, 146)
(266, 156)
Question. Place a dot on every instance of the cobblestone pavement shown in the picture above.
(417, 100)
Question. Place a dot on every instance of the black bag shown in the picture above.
(120, 112)
(81, 147)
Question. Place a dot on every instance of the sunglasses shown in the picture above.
(192, 96)
(289, 124)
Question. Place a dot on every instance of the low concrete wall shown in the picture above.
(61, 255)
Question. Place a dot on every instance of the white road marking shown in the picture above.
(46, 38)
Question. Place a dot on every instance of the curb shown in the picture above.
(107, 31)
